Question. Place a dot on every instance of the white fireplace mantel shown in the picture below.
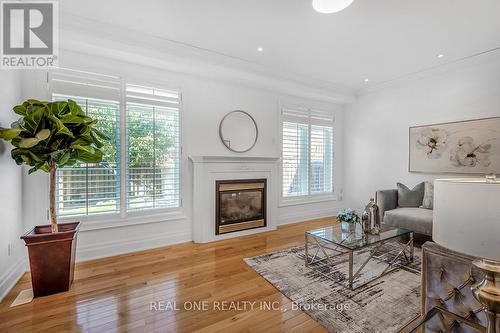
(232, 159)
(208, 169)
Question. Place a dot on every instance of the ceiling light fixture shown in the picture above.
(330, 6)
(260, 49)
(440, 55)
(366, 80)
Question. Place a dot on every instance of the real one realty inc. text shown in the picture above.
(241, 306)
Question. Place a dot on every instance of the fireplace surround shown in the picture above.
(240, 205)
(207, 170)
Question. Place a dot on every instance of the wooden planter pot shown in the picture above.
(52, 257)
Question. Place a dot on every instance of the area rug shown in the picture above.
(383, 305)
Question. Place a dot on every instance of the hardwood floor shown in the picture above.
(115, 294)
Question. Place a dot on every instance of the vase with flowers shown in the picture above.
(348, 219)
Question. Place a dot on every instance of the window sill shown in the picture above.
(285, 202)
(98, 222)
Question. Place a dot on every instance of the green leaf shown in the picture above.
(65, 131)
(100, 134)
(26, 159)
(72, 119)
(28, 142)
(61, 129)
(9, 134)
(15, 141)
(70, 162)
(20, 110)
(63, 159)
(96, 141)
(88, 149)
(81, 142)
(23, 156)
(40, 166)
(86, 157)
(32, 101)
(57, 108)
(18, 124)
(75, 108)
(85, 133)
(18, 151)
(45, 167)
(32, 120)
(18, 160)
(43, 134)
(35, 157)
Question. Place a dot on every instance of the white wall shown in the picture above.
(12, 262)
(376, 132)
(205, 102)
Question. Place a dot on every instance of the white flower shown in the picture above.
(468, 154)
(433, 141)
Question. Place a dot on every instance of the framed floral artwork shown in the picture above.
(464, 147)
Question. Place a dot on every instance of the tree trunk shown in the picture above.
(53, 216)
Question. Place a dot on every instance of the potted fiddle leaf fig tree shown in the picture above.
(47, 136)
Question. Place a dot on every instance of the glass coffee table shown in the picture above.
(324, 248)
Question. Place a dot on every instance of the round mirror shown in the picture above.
(238, 131)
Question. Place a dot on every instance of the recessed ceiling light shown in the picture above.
(330, 6)
(440, 55)
(260, 49)
(366, 80)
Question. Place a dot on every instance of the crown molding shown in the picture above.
(97, 39)
(492, 55)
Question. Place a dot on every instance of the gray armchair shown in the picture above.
(413, 218)
(446, 280)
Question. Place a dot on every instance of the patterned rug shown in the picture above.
(383, 305)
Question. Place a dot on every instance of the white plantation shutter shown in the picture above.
(142, 174)
(321, 159)
(78, 83)
(321, 118)
(153, 148)
(85, 189)
(307, 152)
(295, 159)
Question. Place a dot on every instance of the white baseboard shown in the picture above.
(112, 248)
(307, 215)
(9, 279)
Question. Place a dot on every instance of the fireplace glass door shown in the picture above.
(241, 205)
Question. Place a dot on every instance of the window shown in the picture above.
(153, 148)
(85, 189)
(307, 152)
(140, 167)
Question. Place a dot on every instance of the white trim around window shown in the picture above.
(67, 82)
(306, 129)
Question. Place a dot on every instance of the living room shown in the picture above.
(221, 157)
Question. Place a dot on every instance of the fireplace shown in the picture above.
(240, 205)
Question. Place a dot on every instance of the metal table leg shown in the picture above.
(307, 250)
(351, 268)
(316, 263)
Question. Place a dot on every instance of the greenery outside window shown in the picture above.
(141, 164)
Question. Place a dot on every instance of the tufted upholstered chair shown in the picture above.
(446, 280)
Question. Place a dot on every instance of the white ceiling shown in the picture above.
(376, 39)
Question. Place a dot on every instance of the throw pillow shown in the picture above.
(428, 202)
(410, 198)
